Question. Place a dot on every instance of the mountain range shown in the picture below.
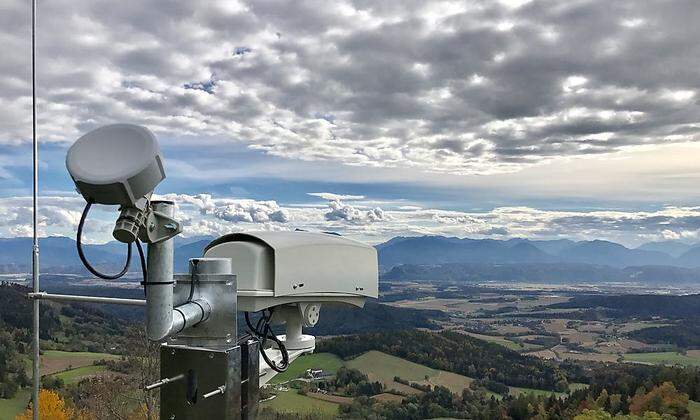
(450, 250)
(58, 254)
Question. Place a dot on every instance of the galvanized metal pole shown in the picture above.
(36, 377)
(159, 310)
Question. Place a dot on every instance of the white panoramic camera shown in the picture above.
(294, 273)
(277, 268)
(274, 278)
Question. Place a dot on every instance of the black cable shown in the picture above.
(85, 261)
(262, 332)
(144, 270)
(192, 281)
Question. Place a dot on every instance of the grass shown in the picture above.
(662, 358)
(386, 367)
(326, 361)
(78, 354)
(514, 390)
(499, 340)
(291, 402)
(53, 361)
(452, 381)
(377, 366)
(577, 386)
(383, 367)
(74, 375)
(694, 408)
(10, 408)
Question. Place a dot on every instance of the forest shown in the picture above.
(70, 327)
(457, 353)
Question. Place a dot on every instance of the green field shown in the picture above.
(10, 408)
(291, 402)
(74, 375)
(503, 342)
(514, 390)
(662, 358)
(382, 367)
(326, 361)
(577, 386)
(53, 361)
(694, 408)
(386, 367)
(78, 354)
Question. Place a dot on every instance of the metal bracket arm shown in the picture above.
(87, 299)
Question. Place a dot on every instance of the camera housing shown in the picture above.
(278, 268)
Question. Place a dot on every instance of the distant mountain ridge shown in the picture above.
(450, 250)
(58, 254)
(543, 273)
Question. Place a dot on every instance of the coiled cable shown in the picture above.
(127, 263)
(86, 263)
(262, 332)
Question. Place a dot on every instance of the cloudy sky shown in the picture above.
(499, 119)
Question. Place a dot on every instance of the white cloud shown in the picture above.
(358, 83)
(347, 213)
(204, 214)
(333, 196)
(56, 215)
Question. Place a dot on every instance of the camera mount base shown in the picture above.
(209, 383)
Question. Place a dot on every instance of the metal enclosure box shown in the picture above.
(206, 370)
(275, 267)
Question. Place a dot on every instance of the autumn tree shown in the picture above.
(51, 407)
(662, 399)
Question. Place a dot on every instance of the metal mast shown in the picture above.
(36, 376)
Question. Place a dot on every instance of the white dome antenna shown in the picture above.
(116, 164)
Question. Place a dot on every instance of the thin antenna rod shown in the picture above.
(36, 376)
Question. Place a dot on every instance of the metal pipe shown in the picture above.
(217, 391)
(36, 376)
(90, 299)
(164, 382)
(159, 297)
(189, 314)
